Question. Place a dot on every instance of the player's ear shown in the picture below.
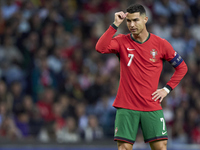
(146, 19)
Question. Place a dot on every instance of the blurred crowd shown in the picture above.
(55, 86)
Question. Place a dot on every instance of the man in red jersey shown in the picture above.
(138, 100)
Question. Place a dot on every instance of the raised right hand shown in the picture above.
(119, 18)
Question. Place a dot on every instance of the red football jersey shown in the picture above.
(140, 68)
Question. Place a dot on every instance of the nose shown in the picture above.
(132, 24)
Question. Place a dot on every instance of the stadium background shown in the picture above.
(56, 91)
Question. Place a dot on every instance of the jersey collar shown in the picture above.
(139, 41)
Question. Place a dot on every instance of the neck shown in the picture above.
(141, 37)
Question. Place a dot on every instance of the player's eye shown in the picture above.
(135, 20)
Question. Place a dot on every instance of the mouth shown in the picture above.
(133, 30)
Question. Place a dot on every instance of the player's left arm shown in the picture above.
(180, 70)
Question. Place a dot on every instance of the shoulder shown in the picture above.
(153, 36)
(159, 39)
(121, 37)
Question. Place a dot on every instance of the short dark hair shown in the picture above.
(136, 8)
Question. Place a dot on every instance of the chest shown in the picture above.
(148, 53)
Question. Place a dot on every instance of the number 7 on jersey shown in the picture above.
(131, 58)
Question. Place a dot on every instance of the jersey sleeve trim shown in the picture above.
(177, 60)
(114, 26)
(168, 87)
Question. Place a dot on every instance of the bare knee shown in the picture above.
(124, 146)
(159, 145)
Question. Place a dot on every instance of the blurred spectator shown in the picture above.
(109, 6)
(196, 134)
(195, 29)
(17, 95)
(42, 77)
(2, 23)
(70, 18)
(24, 25)
(162, 28)
(27, 9)
(191, 120)
(28, 105)
(93, 93)
(9, 130)
(69, 133)
(22, 122)
(178, 7)
(162, 7)
(9, 53)
(47, 132)
(105, 112)
(58, 111)
(190, 43)
(93, 130)
(81, 115)
(77, 61)
(67, 105)
(35, 22)
(45, 104)
(6, 97)
(195, 8)
(31, 42)
(177, 41)
(179, 135)
(55, 61)
(3, 112)
(9, 8)
(48, 42)
(85, 79)
(91, 60)
(60, 34)
(35, 121)
(72, 87)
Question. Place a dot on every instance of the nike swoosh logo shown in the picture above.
(129, 49)
(164, 132)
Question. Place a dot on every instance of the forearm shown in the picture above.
(178, 75)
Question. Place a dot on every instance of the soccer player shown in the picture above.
(138, 100)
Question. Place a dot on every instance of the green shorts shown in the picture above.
(127, 122)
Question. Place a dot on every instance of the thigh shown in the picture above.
(153, 126)
(126, 125)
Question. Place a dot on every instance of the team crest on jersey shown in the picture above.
(116, 129)
(153, 53)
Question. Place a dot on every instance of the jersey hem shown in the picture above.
(123, 139)
(137, 109)
(156, 139)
